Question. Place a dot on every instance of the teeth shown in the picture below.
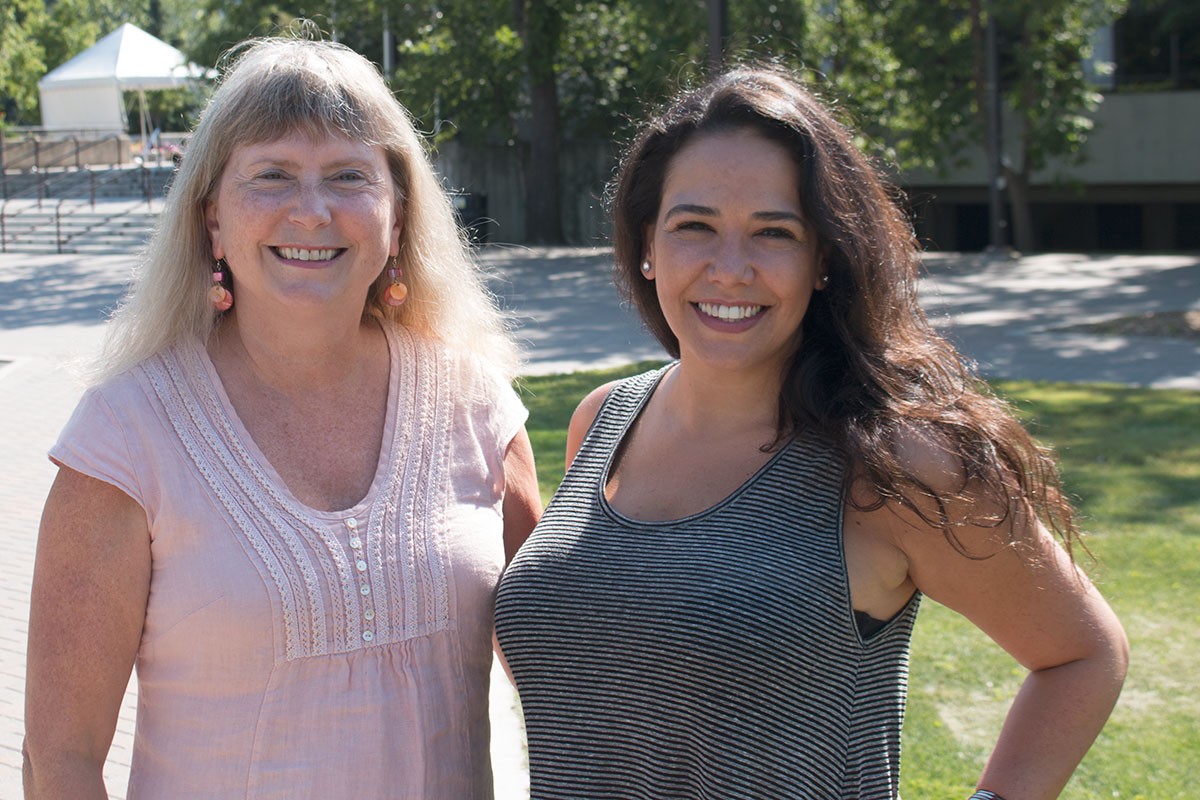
(298, 254)
(729, 313)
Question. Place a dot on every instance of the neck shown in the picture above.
(294, 358)
(710, 402)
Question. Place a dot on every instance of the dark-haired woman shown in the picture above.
(719, 600)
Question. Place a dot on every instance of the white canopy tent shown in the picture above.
(85, 93)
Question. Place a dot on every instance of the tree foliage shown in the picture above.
(533, 73)
(22, 58)
(919, 81)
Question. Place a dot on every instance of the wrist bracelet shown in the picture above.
(984, 794)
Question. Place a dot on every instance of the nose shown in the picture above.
(311, 208)
(731, 263)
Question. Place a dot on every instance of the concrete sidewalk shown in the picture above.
(1007, 315)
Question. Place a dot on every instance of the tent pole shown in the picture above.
(142, 120)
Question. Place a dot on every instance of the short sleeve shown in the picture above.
(94, 442)
(488, 415)
(496, 405)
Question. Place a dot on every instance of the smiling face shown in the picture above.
(304, 222)
(733, 260)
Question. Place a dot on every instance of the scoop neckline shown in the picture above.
(609, 461)
(247, 443)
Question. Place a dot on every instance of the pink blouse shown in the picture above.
(289, 652)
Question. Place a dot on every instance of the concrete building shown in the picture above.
(1140, 186)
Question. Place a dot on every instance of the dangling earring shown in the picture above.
(396, 292)
(220, 297)
(646, 267)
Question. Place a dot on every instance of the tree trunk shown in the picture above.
(1024, 237)
(542, 31)
(543, 216)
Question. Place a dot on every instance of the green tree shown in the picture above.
(923, 83)
(1047, 92)
(220, 25)
(36, 36)
(459, 67)
(533, 74)
(22, 60)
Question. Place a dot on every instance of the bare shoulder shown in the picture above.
(933, 469)
(930, 458)
(585, 413)
(583, 417)
(941, 521)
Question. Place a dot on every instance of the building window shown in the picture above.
(1157, 46)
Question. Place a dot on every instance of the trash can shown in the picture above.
(471, 208)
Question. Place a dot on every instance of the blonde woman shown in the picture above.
(291, 491)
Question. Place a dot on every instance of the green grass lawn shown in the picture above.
(1131, 458)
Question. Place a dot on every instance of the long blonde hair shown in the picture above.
(273, 88)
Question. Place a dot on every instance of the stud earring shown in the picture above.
(396, 292)
(220, 297)
(823, 280)
(646, 267)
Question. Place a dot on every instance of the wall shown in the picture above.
(1138, 190)
(1139, 138)
(497, 172)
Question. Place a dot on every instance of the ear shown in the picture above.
(397, 229)
(214, 229)
(648, 256)
(820, 274)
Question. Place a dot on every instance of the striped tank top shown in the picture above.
(714, 656)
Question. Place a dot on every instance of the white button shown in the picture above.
(369, 613)
(368, 636)
(355, 542)
(352, 523)
(365, 590)
(361, 566)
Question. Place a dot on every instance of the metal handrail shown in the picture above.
(64, 208)
(45, 183)
(75, 153)
(58, 239)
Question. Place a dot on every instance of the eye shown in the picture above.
(272, 175)
(778, 233)
(692, 225)
(350, 176)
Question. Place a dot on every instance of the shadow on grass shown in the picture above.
(1129, 455)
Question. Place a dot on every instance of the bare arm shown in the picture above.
(90, 586)
(522, 498)
(1030, 598)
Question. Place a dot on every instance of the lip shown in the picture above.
(709, 313)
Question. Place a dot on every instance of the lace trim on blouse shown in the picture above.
(326, 600)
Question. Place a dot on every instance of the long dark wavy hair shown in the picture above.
(871, 370)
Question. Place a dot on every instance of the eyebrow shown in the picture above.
(290, 162)
(708, 211)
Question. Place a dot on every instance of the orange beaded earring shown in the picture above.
(396, 292)
(220, 297)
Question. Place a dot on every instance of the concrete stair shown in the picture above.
(114, 183)
(82, 210)
(74, 226)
